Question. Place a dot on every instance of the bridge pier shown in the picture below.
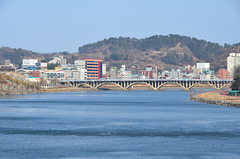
(155, 89)
(187, 89)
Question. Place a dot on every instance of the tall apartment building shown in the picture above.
(94, 68)
(233, 60)
(92, 65)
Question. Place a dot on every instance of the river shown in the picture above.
(116, 124)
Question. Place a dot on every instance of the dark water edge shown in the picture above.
(116, 124)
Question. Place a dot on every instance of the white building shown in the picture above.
(55, 75)
(83, 74)
(205, 77)
(60, 60)
(80, 64)
(74, 73)
(203, 65)
(123, 68)
(124, 74)
(8, 62)
(173, 74)
(40, 65)
(233, 60)
(43, 65)
(104, 69)
(29, 63)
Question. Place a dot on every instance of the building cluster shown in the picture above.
(82, 69)
(92, 69)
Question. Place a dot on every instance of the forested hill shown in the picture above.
(200, 48)
(165, 51)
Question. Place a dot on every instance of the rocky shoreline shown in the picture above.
(215, 98)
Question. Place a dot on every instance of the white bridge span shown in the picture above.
(155, 84)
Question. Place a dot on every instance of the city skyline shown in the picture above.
(54, 26)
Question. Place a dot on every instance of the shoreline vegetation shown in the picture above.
(216, 97)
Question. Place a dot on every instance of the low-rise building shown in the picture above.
(197, 72)
(113, 72)
(29, 63)
(145, 74)
(205, 76)
(34, 73)
(80, 64)
(224, 74)
(41, 65)
(55, 75)
(76, 74)
(173, 74)
(7, 68)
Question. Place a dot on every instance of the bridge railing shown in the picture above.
(139, 80)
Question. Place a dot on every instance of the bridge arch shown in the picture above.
(164, 83)
(195, 84)
(82, 84)
(224, 85)
(105, 83)
(134, 83)
(198, 83)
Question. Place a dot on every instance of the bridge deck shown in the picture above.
(156, 84)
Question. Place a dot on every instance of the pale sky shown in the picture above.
(64, 25)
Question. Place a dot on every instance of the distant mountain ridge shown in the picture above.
(170, 51)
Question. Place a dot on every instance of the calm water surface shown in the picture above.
(117, 124)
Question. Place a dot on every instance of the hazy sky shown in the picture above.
(64, 25)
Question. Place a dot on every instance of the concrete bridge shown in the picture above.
(155, 84)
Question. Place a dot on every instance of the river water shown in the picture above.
(116, 124)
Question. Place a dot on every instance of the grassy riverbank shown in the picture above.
(216, 97)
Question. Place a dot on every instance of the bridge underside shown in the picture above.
(155, 85)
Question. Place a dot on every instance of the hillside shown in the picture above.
(16, 55)
(166, 52)
(10, 85)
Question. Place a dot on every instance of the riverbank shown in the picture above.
(216, 97)
(47, 90)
